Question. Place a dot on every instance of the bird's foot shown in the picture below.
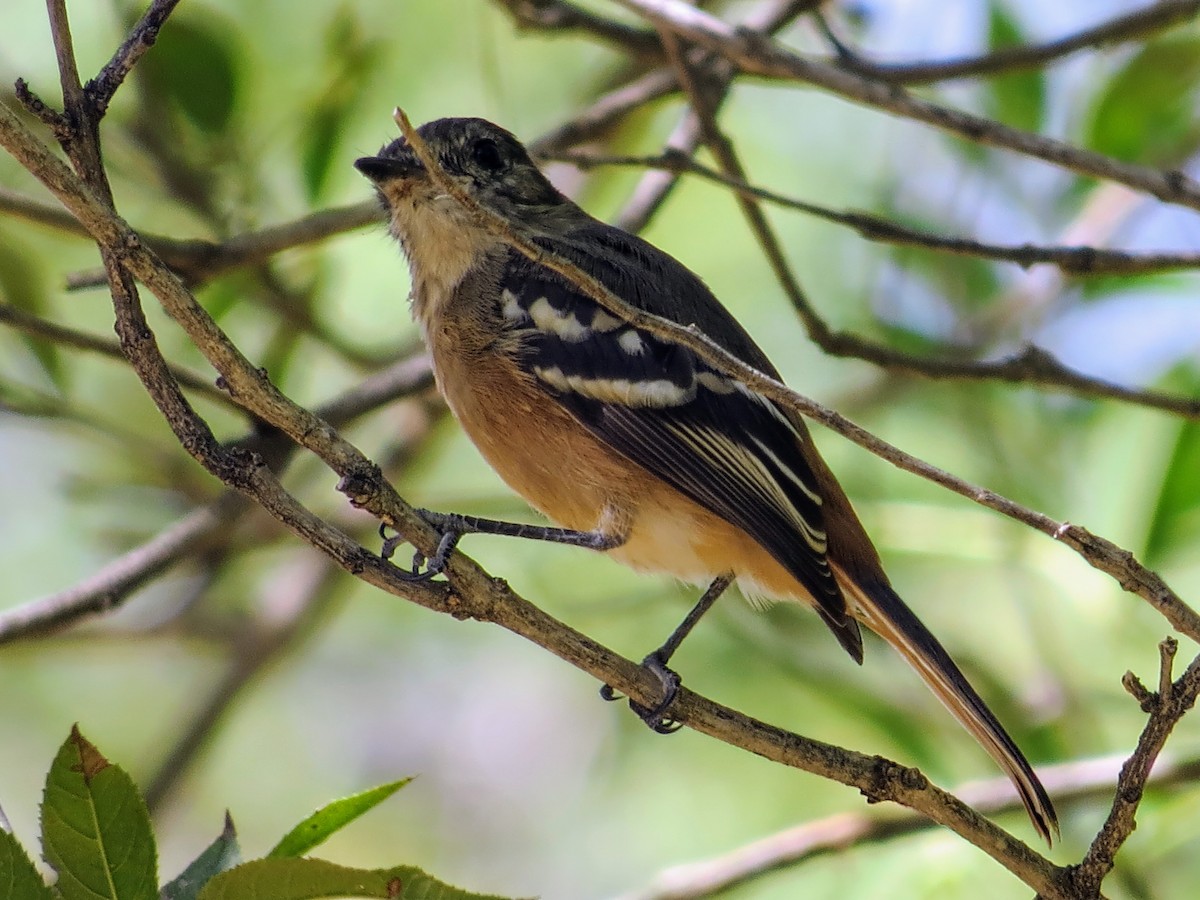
(425, 569)
(655, 716)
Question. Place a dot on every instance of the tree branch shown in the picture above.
(755, 54)
(141, 38)
(204, 526)
(1071, 783)
(560, 16)
(717, 76)
(1166, 707)
(1082, 261)
(111, 585)
(1131, 26)
(1031, 365)
(27, 323)
(198, 261)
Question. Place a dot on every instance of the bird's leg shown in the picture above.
(453, 526)
(656, 662)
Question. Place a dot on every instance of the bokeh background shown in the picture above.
(250, 114)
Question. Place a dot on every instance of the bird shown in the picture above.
(631, 443)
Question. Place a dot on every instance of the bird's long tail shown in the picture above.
(880, 608)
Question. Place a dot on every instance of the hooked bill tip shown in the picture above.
(381, 168)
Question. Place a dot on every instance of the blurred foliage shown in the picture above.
(250, 114)
(1017, 98)
(1128, 124)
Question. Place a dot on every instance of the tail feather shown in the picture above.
(880, 608)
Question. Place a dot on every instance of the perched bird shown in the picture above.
(632, 444)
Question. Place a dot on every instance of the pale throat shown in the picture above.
(441, 245)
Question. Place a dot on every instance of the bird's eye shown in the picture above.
(487, 154)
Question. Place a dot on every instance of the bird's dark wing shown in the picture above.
(657, 403)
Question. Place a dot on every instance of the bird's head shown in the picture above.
(485, 160)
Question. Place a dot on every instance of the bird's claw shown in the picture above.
(423, 568)
(655, 716)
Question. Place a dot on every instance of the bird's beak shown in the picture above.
(385, 168)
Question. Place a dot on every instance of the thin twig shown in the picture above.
(20, 206)
(1072, 783)
(1030, 365)
(1132, 26)
(107, 588)
(1166, 708)
(755, 54)
(1084, 261)
(61, 335)
(196, 531)
(560, 16)
(653, 190)
(141, 38)
(199, 261)
(607, 110)
(727, 158)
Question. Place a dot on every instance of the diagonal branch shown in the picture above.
(196, 531)
(755, 54)
(654, 188)
(112, 584)
(560, 16)
(722, 149)
(1131, 26)
(1076, 782)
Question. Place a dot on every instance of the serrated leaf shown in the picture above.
(220, 856)
(1146, 112)
(309, 879)
(1016, 98)
(193, 65)
(95, 828)
(331, 818)
(19, 878)
(23, 286)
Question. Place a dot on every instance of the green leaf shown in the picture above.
(308, 879)
(330, 818)
(193, 65)
(349, 58)
(1016, 98)
(23, 286)
(220, 856)
(319, 144)
(95, 828)
(1146, 112)
(19, 879)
